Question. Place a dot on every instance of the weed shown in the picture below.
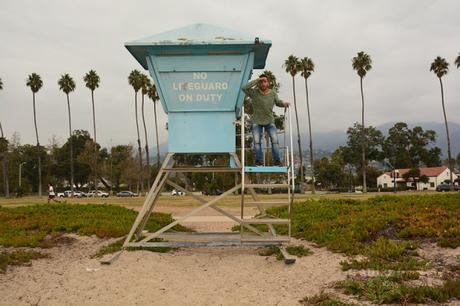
(18, 258)
(298, 250)
(323, 299)
(392, 289)
(272, 250)
(384, 254)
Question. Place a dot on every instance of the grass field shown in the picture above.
(380, 233)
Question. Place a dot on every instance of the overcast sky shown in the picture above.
(56, 37)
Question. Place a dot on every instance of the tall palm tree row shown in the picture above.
(92, 80)
(4, 157)
(134, 79)
(362, 63)
(292, 66)
(67, 85)
(35, 83)
(307, 67)
(145, 82)
(153, 95)
(440, 67)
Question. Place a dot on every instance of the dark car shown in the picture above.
(445, 187)
(126, 194)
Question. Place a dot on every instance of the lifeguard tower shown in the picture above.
(199, 71)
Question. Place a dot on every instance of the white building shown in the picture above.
(436, 176)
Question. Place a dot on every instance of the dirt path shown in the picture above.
(195, 276)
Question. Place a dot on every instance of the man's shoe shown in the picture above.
(277, 163)
(259, 163)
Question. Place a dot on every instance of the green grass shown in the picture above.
(298, 250)
(323, 299)
(18, 258)
(29, 225)
(384, 254)
(393, 289)
(385, 229)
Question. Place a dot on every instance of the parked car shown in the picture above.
(446, 187)
(175, 192)
(98, 193)
(126, 193)
(60, 194)
(76, 194)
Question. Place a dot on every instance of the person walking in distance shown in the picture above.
(51, 194)
(263, 99)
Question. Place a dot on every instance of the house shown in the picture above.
(436, 176)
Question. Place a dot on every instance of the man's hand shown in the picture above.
(286, 104)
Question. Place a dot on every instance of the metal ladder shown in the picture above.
(246, 183)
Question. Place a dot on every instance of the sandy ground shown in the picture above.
(195, 276)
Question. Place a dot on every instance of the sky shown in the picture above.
(56, 37)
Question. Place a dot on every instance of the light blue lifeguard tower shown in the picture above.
(199, 71)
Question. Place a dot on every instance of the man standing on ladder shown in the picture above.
(262, 100)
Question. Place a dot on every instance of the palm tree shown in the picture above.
(4, 157)
(35, 83)
(292, 67)
(362, 63)
(1, 129)
(153, 95)
(440, 67)
(67, 85)
(145, 87)
(307, 67)
(92, 80)
(457, 61)
(134, 79)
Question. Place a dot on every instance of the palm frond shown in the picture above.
(291, 65)
(440, 66)
(35, 82)
(307, 67)
(66, 83)
(92, 80)
(362, 63)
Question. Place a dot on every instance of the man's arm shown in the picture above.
(280, 103)
(248, 88)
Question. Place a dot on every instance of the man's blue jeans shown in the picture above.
(257, 133)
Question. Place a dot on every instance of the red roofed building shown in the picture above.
(436, 176)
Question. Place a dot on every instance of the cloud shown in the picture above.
(57, 37)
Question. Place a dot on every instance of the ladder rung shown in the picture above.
(267, 185)
(267, 202)
(266, 169)
(266, 221)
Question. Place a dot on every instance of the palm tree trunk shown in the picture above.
(298, 135)
(38, 150)
(363, 140)
(1, 130)
(311, 140)
(147, 155)
(140, 184)
(95, 141)
(6, 183)
(156, 132)
(449, 155)
(71, 147)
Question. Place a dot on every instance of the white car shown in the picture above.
(98, 193)
(175, 192)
